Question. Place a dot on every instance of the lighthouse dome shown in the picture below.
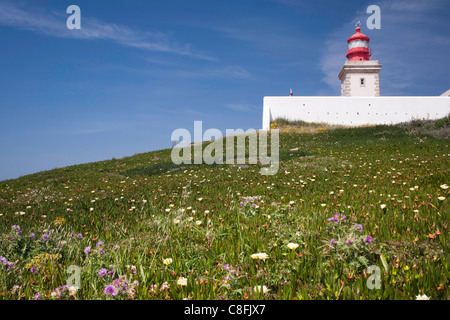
(358, 46)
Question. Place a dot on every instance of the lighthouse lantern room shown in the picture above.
(359, 75)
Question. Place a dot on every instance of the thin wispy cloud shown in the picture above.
(410, 34)
(244, 107)
(12, 14)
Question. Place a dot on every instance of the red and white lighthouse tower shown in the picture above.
(359, 75)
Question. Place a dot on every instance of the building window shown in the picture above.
(362, 82)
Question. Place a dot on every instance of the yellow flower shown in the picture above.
(292, 246)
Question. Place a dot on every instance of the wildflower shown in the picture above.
(292, 246)
(32, 235)
(80, 236)
(369, 239)
(348, 241)
(176, 221)
(72, 290)
(331, 242)
(110, 289)
(37, 296)
(101, 251)
(359, 227)
(382, 206)
(133, 269)
(33, 269)
(261, 288)
(260, 256)
(225, 266)
(45, 236)
(99, 244)
(441, 198)
(164, 286)
(102, 272)
(190, 218)
(444, 186)
(87, 250)
(182, 281)
(111, 273)
(422, 297)
(198, 222)
(167, 261)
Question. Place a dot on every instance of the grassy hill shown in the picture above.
(344, 199)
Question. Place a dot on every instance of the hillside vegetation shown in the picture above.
(141, 227)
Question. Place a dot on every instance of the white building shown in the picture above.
(360, 102)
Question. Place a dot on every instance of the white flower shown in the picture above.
(206, 211)
(190, 219)
(260, 256)
(198, 222)
(182, 281)
(422, 297)
(72, 290)
(167, 261)
(382, 206)
(176, 221)
(167, 210)
(441, 198)
(292, 246)
(291, 202)
(261, 288)
(444, 186)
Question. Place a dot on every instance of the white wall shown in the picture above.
(354, 110)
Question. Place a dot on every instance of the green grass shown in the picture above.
(130, 204)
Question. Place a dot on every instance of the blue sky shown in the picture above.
(137, 70)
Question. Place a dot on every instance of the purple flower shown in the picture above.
(3, 260)
(32, 235)
(348, 241)
(360, 227)
(111, 273)
(37, 297)
(99, 243)
(242, 204)
(369, 239)
(33, 269)
(80, 236)
(102, 252)
(225, 266)
(45, 236)
(344, 218)
(331, 242)
(102, 272)
(15, 227)
(110, 290)
(333, 219)
(87, 250)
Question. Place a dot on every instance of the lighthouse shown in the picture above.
(359, 74)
